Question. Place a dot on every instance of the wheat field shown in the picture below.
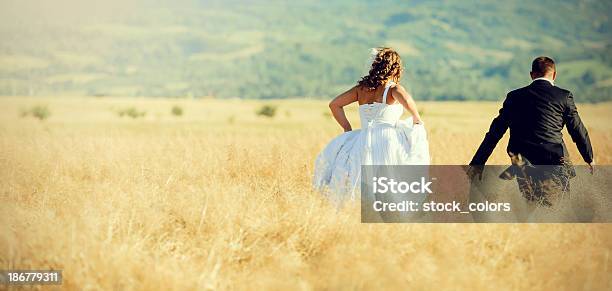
(219, 198)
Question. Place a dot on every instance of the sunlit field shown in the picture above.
(218, 197)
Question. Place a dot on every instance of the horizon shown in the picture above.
(274, 49)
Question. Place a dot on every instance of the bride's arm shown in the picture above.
(404, 98)
(342, 100)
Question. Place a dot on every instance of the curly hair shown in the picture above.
(387, 65)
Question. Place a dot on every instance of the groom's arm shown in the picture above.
(577, 131)
(496, 132)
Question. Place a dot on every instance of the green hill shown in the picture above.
(453, 50)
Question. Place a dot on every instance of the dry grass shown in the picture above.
(220, 199)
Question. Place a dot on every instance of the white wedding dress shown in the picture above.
(384, 139)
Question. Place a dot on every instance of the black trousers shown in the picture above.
(545, 184)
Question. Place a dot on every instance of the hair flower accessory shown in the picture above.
(373, 53)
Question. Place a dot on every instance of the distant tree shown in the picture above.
(588, 78)
(131, 112)
(177, 110)
(40, 112)
(267, 111)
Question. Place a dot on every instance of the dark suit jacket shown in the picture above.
(536, 115)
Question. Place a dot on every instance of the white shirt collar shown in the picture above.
(545, 79)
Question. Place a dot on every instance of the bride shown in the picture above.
(384, 139)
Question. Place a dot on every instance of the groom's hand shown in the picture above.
(591, 167)
(474, 171)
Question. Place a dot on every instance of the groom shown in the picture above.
(536, 115)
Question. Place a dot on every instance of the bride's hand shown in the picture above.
(417, 121)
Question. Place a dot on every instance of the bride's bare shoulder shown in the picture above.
(399, 89)
(359, 88)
